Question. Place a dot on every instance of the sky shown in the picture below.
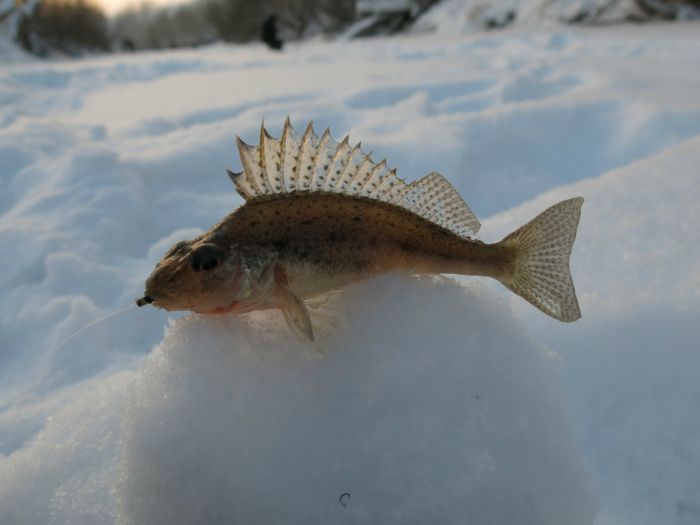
(112, 7)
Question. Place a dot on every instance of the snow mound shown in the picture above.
(231, 421)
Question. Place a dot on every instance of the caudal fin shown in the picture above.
(541, 260)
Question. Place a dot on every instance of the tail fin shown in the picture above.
(541, 262)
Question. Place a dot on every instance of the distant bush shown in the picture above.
(669, 9)
(603, 12)
(147, 27)
(69, 27)
(204, 21)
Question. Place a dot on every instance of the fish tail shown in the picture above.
(540, 262)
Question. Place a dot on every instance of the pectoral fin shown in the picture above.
(295, 312)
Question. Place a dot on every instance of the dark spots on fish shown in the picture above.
(280, 244)
(407, 247)
(294, 169)
(253, 224)
(325, 168)
(306, 222)
(335, 236)
(357, 218)
(277, 213)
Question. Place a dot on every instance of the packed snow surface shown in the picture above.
(433, 400)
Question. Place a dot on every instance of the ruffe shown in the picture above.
(320, 214)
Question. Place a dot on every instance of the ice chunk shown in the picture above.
(428, 405)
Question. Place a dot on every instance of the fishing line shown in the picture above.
(93, 323)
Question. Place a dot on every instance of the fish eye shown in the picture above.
(206, 257)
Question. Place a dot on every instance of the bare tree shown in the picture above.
(63, 26)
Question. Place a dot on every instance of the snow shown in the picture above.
(455, 17)
(228, 420)
(108, 161)
(638, 225)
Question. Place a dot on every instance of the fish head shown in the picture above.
(206, 276)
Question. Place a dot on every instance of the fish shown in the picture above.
(321, 214)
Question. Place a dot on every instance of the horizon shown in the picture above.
(114, 7)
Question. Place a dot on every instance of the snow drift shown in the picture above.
(108, 161)
(429, 404)
(632, 363)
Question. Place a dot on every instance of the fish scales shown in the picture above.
(323, 237)
(323, 214)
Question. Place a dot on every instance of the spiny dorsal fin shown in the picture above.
(291, 146)
(271, 158)
(309, 163)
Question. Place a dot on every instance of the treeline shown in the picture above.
(617, 11)
(73, 27)
(204, 21)
(63, 26)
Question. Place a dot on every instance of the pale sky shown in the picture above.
(113, 6)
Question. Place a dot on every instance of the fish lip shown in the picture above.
(143, 301)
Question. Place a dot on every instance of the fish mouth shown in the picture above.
(143, 301)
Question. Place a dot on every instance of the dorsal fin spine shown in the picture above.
(311, 164)
(283, 146)
(321, 162)
(293, 143)
(249, 165)
(351, 167)
(358, 182)
(262, 148)
(373, 179)
(337, 166)
(388, 187)
(241, 184)
(307, 157)
(270, 156)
